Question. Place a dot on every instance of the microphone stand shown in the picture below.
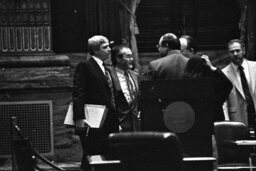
(15, 126)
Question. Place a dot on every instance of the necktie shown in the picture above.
(248, 97)
(130, 86)
(110, 84)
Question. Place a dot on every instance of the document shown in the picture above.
(246, 142)
(100, 159)
(95, 115)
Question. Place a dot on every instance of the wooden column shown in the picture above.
(247, 26)
(129, 28)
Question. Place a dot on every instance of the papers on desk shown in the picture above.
(94, 114)
(246, 142)
(99, 159)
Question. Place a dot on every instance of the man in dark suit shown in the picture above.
(92, 85)
(126, 88)
(187, 46)
(172, 63)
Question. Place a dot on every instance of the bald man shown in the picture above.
(172, 63)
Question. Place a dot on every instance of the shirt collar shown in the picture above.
(100, 62)
(236, 66)
(119, 70)
(173, 52)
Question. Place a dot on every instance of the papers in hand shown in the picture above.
(246, 142)
(94, 115)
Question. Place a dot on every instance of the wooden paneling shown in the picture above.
(74, 21)
(212, 23)
(153, 19)
(35, 78)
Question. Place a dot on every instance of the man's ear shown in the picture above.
(166, 45)
(95, 52)
(243, 49)
(119, 57)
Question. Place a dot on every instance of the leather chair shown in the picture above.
(147, 151)
(230, 155)
(24, 158)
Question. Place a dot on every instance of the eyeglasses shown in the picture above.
(158, 46)
(128, 56)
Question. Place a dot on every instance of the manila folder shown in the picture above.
(69, 116)
(95, 114)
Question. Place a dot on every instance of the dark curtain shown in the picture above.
(247, 26)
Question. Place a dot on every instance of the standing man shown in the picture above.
(93, 85)
(241, 72)
(126, 88)
(187, 46)
(172, 63)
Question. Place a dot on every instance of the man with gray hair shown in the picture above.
(93, 85)
(172, 63)
(241, 72)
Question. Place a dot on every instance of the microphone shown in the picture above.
(14, 123)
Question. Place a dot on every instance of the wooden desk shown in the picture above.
(245, 142)
(198, 163)
(99, 163)
(241, 144)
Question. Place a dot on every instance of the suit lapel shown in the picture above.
(135, 80)
(232, 76)
(252, 71)
(98, 71)
(115, 78)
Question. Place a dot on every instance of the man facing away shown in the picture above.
(241, 103)
(187, 46)
(92, 85)
(172, 63)
(126, 88)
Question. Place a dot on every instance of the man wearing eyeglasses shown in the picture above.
(172, 63)
(187, 46)
(125, 83)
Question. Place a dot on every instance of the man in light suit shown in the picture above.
(237, 107)
(93, 86)
(126, 96)
(172, 63)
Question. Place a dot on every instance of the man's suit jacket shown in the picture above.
(168, 67)
(128, 114)
(236, 106)
(91, 87)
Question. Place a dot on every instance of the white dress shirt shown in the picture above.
(123, 83)
(246, 72)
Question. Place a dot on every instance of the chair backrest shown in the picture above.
(225, 132)
(23, 155)
(147, 151)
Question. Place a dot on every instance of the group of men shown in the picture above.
(116, 85)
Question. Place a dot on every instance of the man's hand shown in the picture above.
(208, 62)
(82, 124)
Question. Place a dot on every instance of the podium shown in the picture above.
(182, 106)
